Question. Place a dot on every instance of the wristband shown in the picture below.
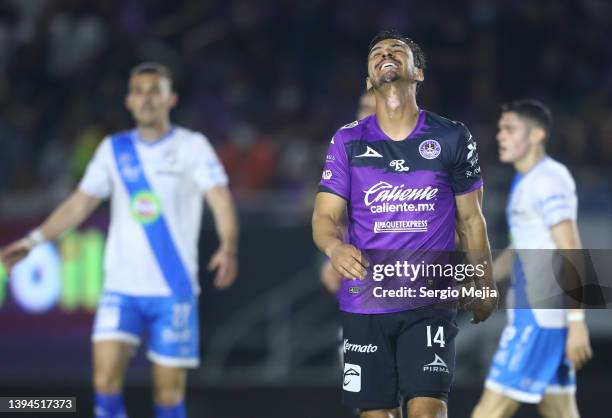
(575, 316)
(36, 237)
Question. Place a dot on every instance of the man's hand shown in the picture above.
(16, 252)
(348, 261)
(577, 346)
(226, 264)
(330, 278)
(482, 308)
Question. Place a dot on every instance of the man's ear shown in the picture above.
(537, 135)
(174, 100)
(419, 75)
(368, 84)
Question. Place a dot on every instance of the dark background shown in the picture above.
(269, 83)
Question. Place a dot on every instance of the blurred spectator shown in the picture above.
(294, 72)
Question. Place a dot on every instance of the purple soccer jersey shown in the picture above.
(400, 194)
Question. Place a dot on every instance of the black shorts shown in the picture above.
(400, 355)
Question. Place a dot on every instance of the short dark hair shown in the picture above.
(420, 61)
(152, 68)
(533, 110)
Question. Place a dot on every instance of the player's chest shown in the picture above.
(520, 210)
(395, 157)
(164, 168)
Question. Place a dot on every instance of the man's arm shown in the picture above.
(69, 214)
(329, 277)
(327, 227)
(473, 231)
(502, 265)
(224, 260)
(578, 347)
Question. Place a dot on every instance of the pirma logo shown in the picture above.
(352, 378)
(370, 152)
(436, 366)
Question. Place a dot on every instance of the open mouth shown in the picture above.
(385, 65)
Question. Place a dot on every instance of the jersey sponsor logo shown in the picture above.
(370, 152)
(382, 196)
(131, 172)
(145, 207)
(170, 335)
(398, 165)
(358, 348)
(327, 174)
(471, 149)
(436, 366)
(401, 226)
(472, 158)
(472, 173)
(354, 290)
(430, 149)
(180, 314)
(351, 381)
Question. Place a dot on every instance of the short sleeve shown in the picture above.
(335, 178)
(206, 169)
(97, 180)
(465, 175)
(554, 199)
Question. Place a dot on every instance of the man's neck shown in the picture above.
(153, 132)
(396, 109)
(530, 160)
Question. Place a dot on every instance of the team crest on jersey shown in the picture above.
(145, 207)
(430, 149)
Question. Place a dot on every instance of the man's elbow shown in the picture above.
(471, 222)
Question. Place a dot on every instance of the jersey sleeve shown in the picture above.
(554, 199)
(97, 180)
(206, 170)
(335, 178)
(465, 175)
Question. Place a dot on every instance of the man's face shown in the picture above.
(513, 137)
(391, 60)
(367, 105)
(150, 98)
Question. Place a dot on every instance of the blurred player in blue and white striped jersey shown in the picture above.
(541, 347)
(157, 177)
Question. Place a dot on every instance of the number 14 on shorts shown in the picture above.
(438, 337)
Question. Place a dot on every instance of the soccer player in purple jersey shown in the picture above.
(407, 178)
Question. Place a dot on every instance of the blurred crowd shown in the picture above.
(270, 81)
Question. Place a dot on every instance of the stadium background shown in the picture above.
(269, 83)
